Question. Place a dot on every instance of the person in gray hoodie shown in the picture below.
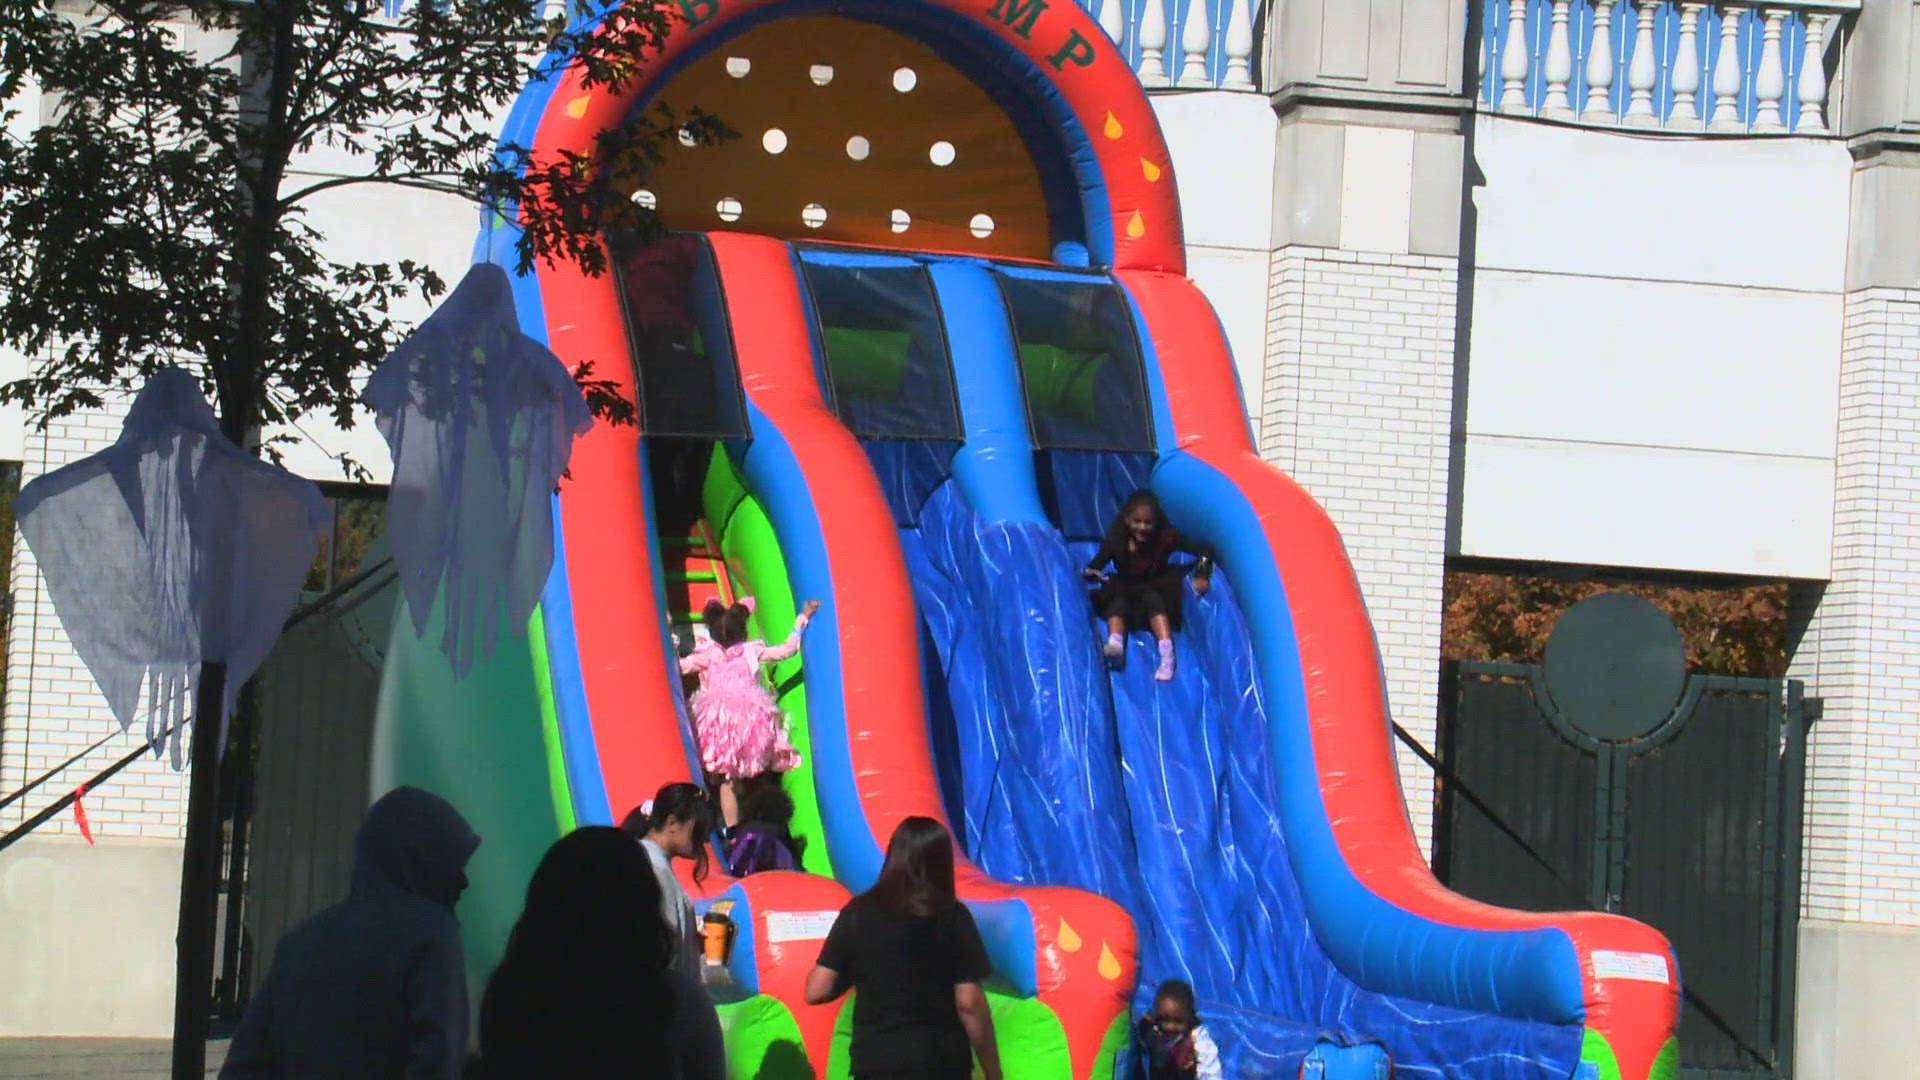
(376, 985)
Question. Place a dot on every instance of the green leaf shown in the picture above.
(155, 216)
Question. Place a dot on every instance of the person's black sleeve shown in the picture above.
(1203, 552)
(837, 953)
(1101, 557)
(967, 953)
(435, 993)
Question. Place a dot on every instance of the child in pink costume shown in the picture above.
(739, 728)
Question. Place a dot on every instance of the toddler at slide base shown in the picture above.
(740, 730)
(1144, 588)
(1172, 1039)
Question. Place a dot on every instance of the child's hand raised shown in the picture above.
(812, 606)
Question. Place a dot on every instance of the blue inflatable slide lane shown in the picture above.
(1154, 794)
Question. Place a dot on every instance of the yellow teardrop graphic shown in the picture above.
(1151, 170)
(1114, 130)
(1136, 226)
(1109, 964)
(577, 108)
(1069, 937)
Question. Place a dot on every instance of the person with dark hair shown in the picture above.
(762, 840)
(1173, 1041)
(912, 951)
(587, 990)
(1144, 587)
(739, 728)
(375, 986)
(676, 824)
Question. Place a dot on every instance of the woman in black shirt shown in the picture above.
(912, 951)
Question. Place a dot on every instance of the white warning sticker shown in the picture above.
(1637, 966)
(799, 925)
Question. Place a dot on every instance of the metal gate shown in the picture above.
(1608, 778)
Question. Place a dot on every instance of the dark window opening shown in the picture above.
(677, 469)
(357, 519)
(887, 370)
(683, 365)
(1079, 364)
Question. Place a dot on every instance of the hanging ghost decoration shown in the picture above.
(480, 419)
(171, 547)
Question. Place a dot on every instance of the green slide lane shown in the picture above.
(762, 1038)
(753, 559)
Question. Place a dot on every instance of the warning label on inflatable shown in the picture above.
(1638, 966)
(799, 925)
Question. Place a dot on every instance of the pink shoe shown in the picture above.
(1164, 673)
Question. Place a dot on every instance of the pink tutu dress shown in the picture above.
(740, 729)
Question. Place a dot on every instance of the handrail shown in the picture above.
(71, 797)
(326, 599)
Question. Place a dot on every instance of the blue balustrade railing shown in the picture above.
(1759, 68)
(1186, 44)
(1171, 44)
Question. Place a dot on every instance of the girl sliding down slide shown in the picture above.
(1144, 588)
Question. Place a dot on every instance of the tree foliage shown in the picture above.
(358, 521)
(1725, 631)
(160, 210)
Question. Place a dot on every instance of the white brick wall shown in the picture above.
(1358, 408)
(1861, 651)
(53, 707)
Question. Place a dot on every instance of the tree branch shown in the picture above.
(414, 180)
(326, 54)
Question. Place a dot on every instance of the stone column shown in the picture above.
(1859, 648)
(1358, 397)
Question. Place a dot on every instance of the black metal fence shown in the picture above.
(1693, 827)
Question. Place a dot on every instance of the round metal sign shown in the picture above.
(1615, 667)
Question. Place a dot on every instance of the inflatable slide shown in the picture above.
(911, 339)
